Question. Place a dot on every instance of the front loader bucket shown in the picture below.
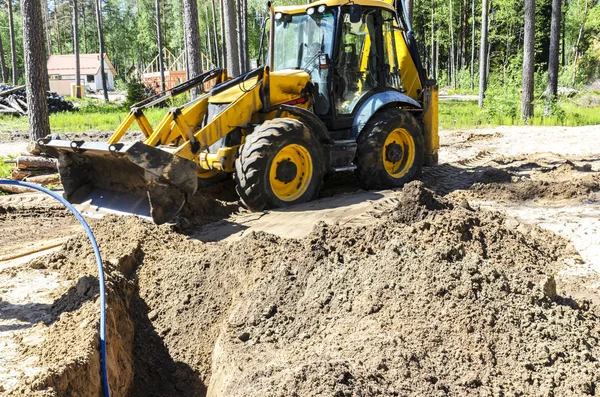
(124, 178)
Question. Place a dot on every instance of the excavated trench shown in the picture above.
(430, 297)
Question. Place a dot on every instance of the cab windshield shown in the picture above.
(301, 38)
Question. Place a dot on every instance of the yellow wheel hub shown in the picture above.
(291, 172)
(398, 153)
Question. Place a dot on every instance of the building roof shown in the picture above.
(88, 64)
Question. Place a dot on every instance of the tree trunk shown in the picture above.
(432, 63)
(13, 49)
(209, 42)
(528, 61)
(223, 41)
(35, 61)
(244, 28)
(553, 58)
(215, 33)
(161, 64)
(464, 33)
(85, 47)
(3, 71)
(101, 45)
(240, 39)
(76, 47)
(409, 10)
(231, 38)
(472, 45)
(483, 51)
(58, 40)
(451, 61)
(192, 41)
(47, 27)
(437, 55)
(564, 25)
(576, 51)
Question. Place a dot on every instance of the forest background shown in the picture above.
(449, 33)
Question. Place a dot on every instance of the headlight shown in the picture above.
(321, 9)
(310, 11)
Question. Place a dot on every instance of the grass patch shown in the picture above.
(467, 115)
(104, 121)
(4, 167)
(91, 115)
(97, 115)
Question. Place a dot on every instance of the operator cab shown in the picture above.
(349, 51)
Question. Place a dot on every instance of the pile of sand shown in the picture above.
(431, 298)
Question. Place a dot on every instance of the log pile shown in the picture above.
(32, 167)
(13, 101)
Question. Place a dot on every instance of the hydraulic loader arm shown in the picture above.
(137, 114)
(183, 124)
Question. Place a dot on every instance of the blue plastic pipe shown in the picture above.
(90, 235)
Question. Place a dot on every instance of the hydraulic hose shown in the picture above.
(90, 235)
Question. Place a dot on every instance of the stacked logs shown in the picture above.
(32, 167)
(13, 101)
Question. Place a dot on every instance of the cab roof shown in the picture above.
(299, 9)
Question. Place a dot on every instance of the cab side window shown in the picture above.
(391, 68)
(357, 61)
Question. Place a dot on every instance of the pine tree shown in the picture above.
(13, 50)
(483, 51)
(553, 59)
(3, 71)
(161, 64)
(192, 40)
(217, 60)
(35, 70)
(528, 61)
(76, 47)
(472, 44)
(231, 38)
(101, 45)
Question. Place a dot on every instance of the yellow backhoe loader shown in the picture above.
(343, 89)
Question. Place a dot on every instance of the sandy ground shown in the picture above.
(578, 219)
(546, 176)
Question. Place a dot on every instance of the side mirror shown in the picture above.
(253, 63)
(355, 13)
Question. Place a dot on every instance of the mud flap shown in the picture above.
(132, 179)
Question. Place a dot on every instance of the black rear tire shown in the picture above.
(390, 150)
(264, 178)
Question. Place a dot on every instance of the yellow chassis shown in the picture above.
(182, 127)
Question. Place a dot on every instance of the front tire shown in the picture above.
(280, 164)
(390, 150)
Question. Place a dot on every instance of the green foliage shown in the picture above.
(179, 100)
(136, 92)
(4, 168)
(502, 97)
(502, 104)
(466, 114)
(558, 111)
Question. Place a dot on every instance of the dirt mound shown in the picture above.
(534, 180)
(68, 351)
(535, 190)
(26, 222)
(431, 298)
(540, 177)
(208, 205)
